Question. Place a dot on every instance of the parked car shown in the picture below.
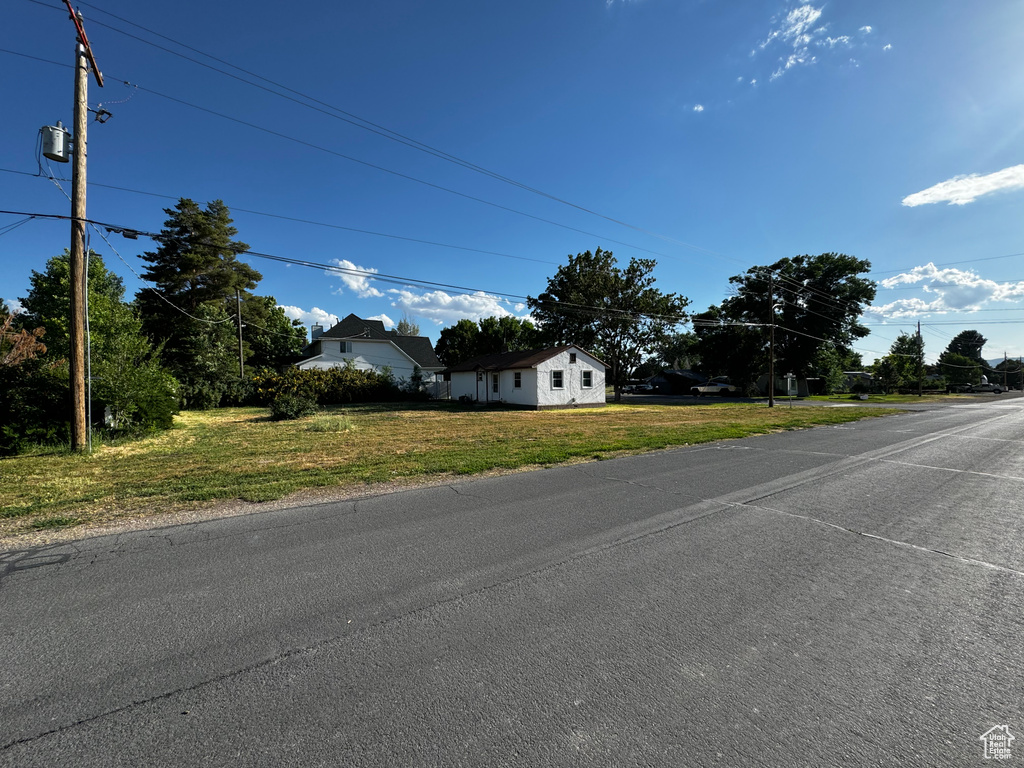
(719, 386)
(993, 388)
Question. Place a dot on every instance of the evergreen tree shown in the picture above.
(191, 310)
(969, 344)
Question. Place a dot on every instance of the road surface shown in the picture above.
(846, 595)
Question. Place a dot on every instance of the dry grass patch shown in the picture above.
(240, 454)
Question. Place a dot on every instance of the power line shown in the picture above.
(337, 269)
(948, 263)
(381, 168)
(306, 221)
(367, 125)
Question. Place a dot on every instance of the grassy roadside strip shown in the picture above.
(883, 399)
(238, 453)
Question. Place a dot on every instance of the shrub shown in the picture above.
(35, 407)
(333, 386)
(287, 406)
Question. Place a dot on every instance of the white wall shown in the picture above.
(367, 355)
(536, 384)
(572, 393)
(464, 383)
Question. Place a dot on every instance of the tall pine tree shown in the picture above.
(191, 308)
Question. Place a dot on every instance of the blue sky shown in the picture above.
(711, 135)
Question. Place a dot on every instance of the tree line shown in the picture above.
(617, 313)
(176, 345)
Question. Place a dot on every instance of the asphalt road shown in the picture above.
(838, 596)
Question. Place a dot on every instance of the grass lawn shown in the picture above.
(238, 453)
(894, 399)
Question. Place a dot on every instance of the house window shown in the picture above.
(518, 383)
(588, 379)
(556, 379)
(572, 357)
(494, 383)
(479, 376)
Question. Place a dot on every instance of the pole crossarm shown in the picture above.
(77, 18)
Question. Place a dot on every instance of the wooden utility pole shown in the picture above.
(771, 343)
(83, 58)
(79, 434)
(241, 359)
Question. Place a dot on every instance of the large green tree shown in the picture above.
(457, 343)
(967, 343)
(467, 339)
(127, 380)
(191, 310)
(812, 300)
(732, 348)
(270, 338)
(49, 301)
(614, 312)
(959, 369)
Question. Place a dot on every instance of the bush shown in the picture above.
(333, 386)
(35, 406)
(287, 407)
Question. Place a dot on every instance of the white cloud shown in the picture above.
(961, 190)
(887, 47)
(797, 28)
(355, 278)
(314, 316)
(945, 290)
(832, 42)
(445, 309)
(798, 33)
(14, 306)
(388, 322)
(698, 107)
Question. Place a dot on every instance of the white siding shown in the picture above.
(536, 390)
(572, 392)
(464, 383)
(367, 355)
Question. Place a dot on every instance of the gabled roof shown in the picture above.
(353, 327)
(418, 348)
(499, 361)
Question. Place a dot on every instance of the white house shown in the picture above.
(558, 377)
(370, 348)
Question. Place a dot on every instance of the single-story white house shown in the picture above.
(370, 348)
(557, 377)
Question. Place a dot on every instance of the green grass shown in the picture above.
(893, 399)
(239, 453)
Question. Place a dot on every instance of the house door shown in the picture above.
(494, 387)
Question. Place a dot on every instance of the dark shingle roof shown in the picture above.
(505, 360)
(354, 327)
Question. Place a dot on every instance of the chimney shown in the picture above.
(315, 331)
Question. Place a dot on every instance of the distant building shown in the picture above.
(370, 347)
(542, 379)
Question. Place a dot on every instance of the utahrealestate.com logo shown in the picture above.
(997, 742)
